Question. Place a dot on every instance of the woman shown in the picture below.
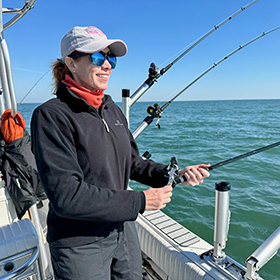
(85, 156)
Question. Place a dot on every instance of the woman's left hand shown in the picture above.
(194, 174)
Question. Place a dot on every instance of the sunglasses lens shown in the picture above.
(112, 60)
(98, 59)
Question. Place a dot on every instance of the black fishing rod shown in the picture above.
(155, 73)
(225, 162)
(173, 168)
(156, 111)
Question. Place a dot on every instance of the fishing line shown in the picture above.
(217, 63)
(182, 50)
(155, 73)
(156, 111)
(33, 86)
(210, 32)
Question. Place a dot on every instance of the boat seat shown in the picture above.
(19, 251)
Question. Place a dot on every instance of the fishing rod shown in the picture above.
(225, 162)
(33, 86)
(155, 73)
(156, 111)
(173, 168)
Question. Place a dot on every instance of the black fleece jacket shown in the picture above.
(85, 158)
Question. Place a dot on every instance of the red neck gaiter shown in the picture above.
(93, 98)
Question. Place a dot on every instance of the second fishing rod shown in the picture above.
(155, 73)
(156, 111)
(173, 167)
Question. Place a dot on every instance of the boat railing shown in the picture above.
(7, 90)
(263, 254)
(45, 269)
(19, 13)
(8, 101)
(6, 78)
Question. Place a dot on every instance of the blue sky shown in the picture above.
(155, 31)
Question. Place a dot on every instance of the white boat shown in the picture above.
(170, 251)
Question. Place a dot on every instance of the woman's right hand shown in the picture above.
(157, 198)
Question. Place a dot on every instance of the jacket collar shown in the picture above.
(76, 103)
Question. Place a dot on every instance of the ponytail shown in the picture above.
(59, 70)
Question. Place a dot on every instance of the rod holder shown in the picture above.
(222, 217)
(263, 254)
(126, 103)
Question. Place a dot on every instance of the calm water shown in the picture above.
(210, 132)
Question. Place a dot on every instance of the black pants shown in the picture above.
(117, 256)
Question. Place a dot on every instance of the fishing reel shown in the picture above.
(172, 172)
(153, 72)
(155, 111)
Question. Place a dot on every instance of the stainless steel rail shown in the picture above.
(5, 63)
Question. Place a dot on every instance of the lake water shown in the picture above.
(210, 132)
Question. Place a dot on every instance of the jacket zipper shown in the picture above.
(100, 116)
(106, 125)
(103, 120)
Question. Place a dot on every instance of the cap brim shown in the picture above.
(118, 47)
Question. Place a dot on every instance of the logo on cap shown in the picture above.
(94, 30)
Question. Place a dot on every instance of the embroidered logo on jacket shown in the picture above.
(118, 123)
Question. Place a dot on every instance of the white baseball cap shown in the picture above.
(89, 40)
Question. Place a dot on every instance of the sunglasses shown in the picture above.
(98, 58)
